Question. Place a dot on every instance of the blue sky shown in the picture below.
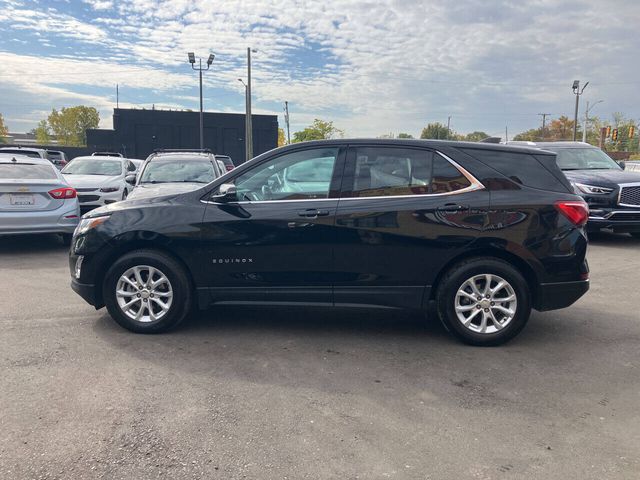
(373, 67)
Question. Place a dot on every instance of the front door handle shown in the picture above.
(313, 213)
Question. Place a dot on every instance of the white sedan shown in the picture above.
(98, 180)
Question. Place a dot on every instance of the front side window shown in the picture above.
(298, 175)
(390, 171)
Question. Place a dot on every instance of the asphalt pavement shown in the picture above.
(296, 393)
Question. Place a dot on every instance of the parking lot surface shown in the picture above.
(297, 393)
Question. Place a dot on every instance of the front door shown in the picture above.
(274, 244)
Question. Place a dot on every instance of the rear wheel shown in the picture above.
(147, 291)
(484, 301)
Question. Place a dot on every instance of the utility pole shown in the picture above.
(448, 125)
(544, 122)
(586, 119)
(117, 97)
(249, 134)
(286, 121)
(192, 61)
(506, 134)
(577, 92)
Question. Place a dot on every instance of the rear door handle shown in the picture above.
(313, 213)
(453, 207)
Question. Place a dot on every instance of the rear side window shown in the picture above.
(396, 171)
(521, 168)
(20, 171)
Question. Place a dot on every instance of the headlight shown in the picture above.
(592, 189)
(109, 189)
(87, 224)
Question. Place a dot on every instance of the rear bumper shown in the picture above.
(38, 222)
(553, 296)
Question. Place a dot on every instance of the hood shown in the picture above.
(602, 178)
(89, 181)
(161, 189)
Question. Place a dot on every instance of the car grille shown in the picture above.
(625, 217)
(88, 198)
(86, 189)
(630, 195)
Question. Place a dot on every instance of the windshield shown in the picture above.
(25, 171)
(178, 170)
(93, 166)
(26, 153)
(583, 159)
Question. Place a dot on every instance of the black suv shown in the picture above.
(612, 193)
(484, 232)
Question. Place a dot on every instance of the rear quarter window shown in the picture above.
(521, 168)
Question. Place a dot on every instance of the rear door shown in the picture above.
(404, 212)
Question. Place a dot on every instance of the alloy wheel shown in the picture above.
(144, 293)
(485, 303)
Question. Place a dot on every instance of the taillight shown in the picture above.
(576, 212)
(62, 193)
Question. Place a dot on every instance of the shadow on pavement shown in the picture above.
(17, 244)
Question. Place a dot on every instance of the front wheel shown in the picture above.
(484, 301)
(147, 291)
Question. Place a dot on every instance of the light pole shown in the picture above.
(577, 92)
(586, 119)
(192, 61)
(249, 135)
(286, 121)
(246, 119)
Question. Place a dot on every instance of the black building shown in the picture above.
(136, 133)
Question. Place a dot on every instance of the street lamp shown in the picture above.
(246, 119)
(586, 119)
(249, 133)
(577, 92)
(200, 69)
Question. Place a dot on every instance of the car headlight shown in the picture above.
(591, 189)
(87, 224)
(109, 189)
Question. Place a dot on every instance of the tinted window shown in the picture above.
(382, 171)
(446, 177)
(26, 171)
(522, 168)
(299, 175)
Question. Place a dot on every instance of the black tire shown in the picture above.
(182, 300)
(125, 194)
(66, 238)
(454, 279)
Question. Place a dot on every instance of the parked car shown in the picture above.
(613, 193)
(183, 170)
(34, 198)
(25, 151)
(98, 180)
(228, 163)
(632, 166)
(485, 232)
(58, 158)
(137, 162)
(107, 154)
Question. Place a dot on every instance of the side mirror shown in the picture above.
(226, 193)
(130, 178)
(622, 164)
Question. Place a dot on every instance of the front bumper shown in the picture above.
(86, 291)
(95, 198)
(553, 296)
(618, 220)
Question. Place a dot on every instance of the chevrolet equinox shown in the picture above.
(483, 232)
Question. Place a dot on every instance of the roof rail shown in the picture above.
(176, 150)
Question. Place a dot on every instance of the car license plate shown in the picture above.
(20, 200)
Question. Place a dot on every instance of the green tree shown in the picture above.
(4, 130)
(532, 135)
(318, 130)
(42, 133)
(475, 136)
(438, 131)
(281, 138)
(70, 124)
(404, 135)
